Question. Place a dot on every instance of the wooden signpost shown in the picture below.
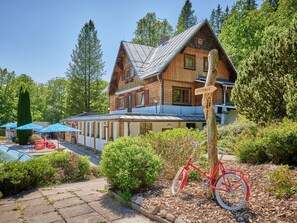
(208, 108)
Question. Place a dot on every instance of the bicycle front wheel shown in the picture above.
(231, 192)
(179, 181)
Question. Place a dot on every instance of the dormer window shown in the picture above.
(190, 62)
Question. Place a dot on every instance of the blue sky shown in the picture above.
(38, 36)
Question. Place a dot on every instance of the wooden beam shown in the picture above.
(204, 90)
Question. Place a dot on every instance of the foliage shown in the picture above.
(56, 100)
(174, 147)
(7, 96)
(57, 167)
(282, 182)
(150, 30)
(268, 91)
(129, 164)
(33, 138)
(229, 135)
(24, 115)
(217, 18)
(186, 18)
(85, 71)
(275, 143)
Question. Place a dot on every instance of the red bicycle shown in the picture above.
(231, 188)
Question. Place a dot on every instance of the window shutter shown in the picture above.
(123, 75)
(126, 101)
(146, 98)
(116, 103)
(133, 100)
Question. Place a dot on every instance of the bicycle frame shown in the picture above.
(219, 167)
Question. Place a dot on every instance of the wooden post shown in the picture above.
(209, 112)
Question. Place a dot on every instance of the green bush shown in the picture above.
(129, 164)
(33, 138)
(282, 182)
(229, 135)
(57, 167)
(15, 139)
(175, 147)
(275, 143)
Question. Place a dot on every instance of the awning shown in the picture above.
(127, 117)
(129, 90)
(202, 79)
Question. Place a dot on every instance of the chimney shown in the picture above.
(164, 40)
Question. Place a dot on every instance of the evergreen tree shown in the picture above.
(186, 18)
(212, 20)
(150, 30)
(218, 19)
(24, 115)
(266, 88)
(85, 70)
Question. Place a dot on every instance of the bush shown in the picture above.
(282, 182)
(229, 135)
(15, 139)
(174, 147)
(129, 164)
(33, 138)
(57, 167)
(275, 143)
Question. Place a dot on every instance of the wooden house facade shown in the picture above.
(153, 88)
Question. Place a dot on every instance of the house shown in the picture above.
(152, 88)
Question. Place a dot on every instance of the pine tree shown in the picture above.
(218, 19)
(186, 18)
(150, 30)
(212, 20)
(85, 69)
(24, 115)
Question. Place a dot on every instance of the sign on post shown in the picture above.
(204, 90)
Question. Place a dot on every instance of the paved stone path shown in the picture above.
(74, 203)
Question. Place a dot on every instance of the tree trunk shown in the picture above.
(209, 112)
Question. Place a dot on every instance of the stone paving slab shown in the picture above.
(9, 215)
(33, 202)
(60, 196)
(37, 210)
(67, 202)
(7, 207)
(74, 211)
(136, 219)
(45, 218)
(92, 197)
(89, 218)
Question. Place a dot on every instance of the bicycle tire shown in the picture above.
(232, 192)
(179, 181)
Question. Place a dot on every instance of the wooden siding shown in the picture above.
(177, 72)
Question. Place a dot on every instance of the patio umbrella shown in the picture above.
(58, 128)
(10, 125)
(30, 126)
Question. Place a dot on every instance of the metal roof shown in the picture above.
(202, 79)
(133, 117)
(148, 61)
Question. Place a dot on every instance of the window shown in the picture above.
(121, 102)
(145, 127)
(190, 62)
(181, 96)
(200, 41)
(205, 64)
(98, 130)
(140, 99)
(88, 129)
(190, 125)
(129, 73)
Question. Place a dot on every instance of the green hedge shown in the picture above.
(57, 167)
(275, 143)
(129, 164)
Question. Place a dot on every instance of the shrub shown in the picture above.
(174, 147)
(275, 143)
(33, 138)
(282, 182)
(229, 135)
(15, 139)
(129, 164)
(57, 167)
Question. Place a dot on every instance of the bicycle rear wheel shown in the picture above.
(231, 192)
(179, 181)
